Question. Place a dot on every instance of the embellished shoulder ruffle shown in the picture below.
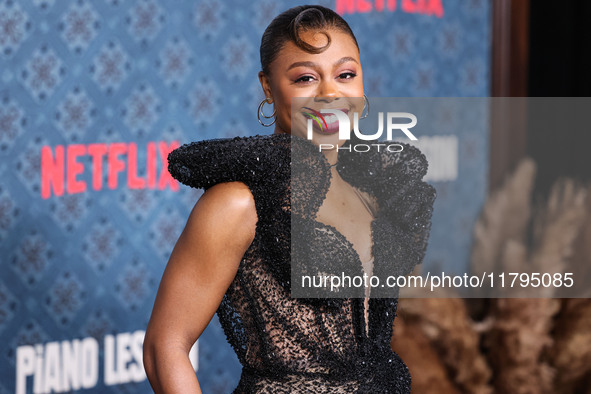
(395, 178)
(254, 160)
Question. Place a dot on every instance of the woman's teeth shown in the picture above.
(330, 118)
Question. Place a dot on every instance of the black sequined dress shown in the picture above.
(313, 345)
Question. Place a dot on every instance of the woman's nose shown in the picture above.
(327, 89)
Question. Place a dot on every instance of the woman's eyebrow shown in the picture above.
(303, 64)
(314, 65)
(345, 60)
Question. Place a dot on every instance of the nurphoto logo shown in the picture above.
(329, 121)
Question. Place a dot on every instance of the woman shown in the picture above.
(234, 254)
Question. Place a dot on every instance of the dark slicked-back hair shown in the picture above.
(288, 25)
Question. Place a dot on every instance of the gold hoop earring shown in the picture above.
(260, 113)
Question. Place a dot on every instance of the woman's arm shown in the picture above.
(201, 267)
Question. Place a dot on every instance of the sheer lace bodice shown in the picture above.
(320, 345)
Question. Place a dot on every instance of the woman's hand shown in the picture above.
(201, 267)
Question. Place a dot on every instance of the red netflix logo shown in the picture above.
(425, 7)
(60, 167)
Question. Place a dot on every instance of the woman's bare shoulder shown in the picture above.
(234, 195)
(227, 211)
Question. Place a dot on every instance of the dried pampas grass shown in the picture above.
(515, 342)
(428, 372)
(447, 326)
(521, 327)
(556, 227)
(505, 215)
(571, 351)
(527, 342)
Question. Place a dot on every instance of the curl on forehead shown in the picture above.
(289, 25)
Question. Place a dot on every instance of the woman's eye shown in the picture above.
(305, 78)
(347, 75)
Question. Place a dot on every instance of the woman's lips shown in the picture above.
(324, 123)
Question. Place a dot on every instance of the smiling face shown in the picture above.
(332, 79)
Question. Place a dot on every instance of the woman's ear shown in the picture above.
(266, 85)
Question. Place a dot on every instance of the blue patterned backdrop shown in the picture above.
(120, 83)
